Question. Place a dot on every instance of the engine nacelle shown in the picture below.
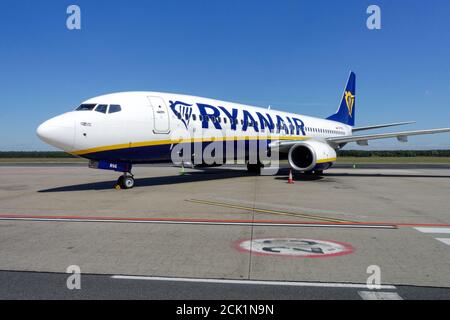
(311, 155)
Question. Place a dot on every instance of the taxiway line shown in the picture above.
(276, 212)
(433, 230)
(373, 224)
(374, 295)
(444, 240)
(192, 222)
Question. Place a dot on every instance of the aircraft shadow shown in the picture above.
(224, 173)
(196, 176)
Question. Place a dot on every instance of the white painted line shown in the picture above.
(433, 230)
(254, 282)
(373, 295)
(218, 223)
(444, 240)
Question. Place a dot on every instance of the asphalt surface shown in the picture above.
(38, 285)
(197, 225)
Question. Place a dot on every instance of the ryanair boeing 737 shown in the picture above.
(118, 130)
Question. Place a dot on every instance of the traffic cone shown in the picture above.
(290, 180)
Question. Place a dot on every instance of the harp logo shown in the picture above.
(182, 111)
(350, 101)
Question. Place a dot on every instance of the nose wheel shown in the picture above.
(126, 181)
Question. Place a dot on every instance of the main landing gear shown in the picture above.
(125, 181)
(254, 168)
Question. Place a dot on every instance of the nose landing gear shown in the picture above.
(125, 181)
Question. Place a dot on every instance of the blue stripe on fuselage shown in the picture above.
(163, 153)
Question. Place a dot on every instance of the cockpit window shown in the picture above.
(114, 108)
(101, 108)
(86, 107)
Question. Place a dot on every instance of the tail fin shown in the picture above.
(346, 111)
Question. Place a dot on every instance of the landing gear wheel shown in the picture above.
(318, 172)
(308, 173)
(128, 182)
(125, 182)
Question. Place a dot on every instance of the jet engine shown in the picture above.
(311, 155)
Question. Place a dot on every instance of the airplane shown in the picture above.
(116, 131)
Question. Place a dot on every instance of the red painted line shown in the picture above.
(168, 219)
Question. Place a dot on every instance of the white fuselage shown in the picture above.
(147, 121)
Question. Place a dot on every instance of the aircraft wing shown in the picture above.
(401, 136)
(379, 126)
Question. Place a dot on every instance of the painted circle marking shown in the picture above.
(294, 247)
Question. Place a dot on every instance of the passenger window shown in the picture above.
(102, 108)
(224, 120)
(200, 117)
(86, 107)
(194, 117)
(114, 108)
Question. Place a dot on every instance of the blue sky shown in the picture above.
(292, 55)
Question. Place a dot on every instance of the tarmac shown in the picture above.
(191, 230)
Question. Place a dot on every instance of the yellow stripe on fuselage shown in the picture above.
(326, 160)
(175, 141)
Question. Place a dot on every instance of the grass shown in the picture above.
(343, 160)
(403, 160)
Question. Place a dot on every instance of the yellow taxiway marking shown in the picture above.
(276, 212)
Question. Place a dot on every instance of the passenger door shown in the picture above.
(161, 120)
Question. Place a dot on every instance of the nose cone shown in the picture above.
(58, 132)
